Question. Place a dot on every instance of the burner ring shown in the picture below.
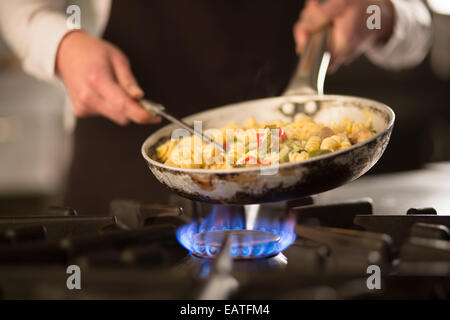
(245, 244)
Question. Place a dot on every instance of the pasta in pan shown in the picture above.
(264, 144)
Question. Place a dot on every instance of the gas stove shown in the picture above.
(190, 250)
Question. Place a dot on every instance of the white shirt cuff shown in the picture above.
(410, 39)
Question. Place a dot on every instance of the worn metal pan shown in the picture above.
(292, 180)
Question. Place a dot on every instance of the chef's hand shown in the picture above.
(349, 35)
(99, 80)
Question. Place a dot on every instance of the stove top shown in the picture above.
(335, 251)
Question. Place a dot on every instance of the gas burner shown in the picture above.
(266, 236)
(245, 244)
(236, 252)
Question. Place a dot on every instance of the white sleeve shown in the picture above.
(33, 30)
(410, 40)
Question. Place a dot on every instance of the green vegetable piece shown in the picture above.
(297, 149)
(316, 153)
(270, 126)
(284, 155)
(291, 143)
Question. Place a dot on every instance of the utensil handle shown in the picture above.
(309, 76)
(152, 107)
(160, 110)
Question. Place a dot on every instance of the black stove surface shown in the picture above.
(133, 253)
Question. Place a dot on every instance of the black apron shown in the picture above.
(189, 56)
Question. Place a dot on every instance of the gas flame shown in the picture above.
(244, 247)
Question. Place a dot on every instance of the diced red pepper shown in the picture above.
(282, 134)
(252, 160)
(259, 137)
(266, 162)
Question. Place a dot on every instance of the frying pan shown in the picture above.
(291, 180)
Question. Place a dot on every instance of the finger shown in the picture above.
(343, 52)
(311, 17)
(300, 37)
(120, 102)
(346, 41)
(125, 76)
(338, 46)
(152, 117)
(333, 8)
(97, 105)
(316, 16)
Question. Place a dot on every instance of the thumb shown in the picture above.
(300, 37)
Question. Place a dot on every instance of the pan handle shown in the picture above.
(312, 67)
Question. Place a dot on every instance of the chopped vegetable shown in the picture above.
(297, 149)
(282, 134)
(325, 132)
(259, 137)
(361, 136)
(318, 152)
(292, 143)
(251, 160)
(284, 154)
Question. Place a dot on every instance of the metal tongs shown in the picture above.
(160, 110)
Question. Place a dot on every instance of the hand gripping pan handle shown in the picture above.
(309, 76)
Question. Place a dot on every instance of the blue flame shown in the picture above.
(219, 220)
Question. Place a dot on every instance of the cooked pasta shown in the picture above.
(264, 144)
